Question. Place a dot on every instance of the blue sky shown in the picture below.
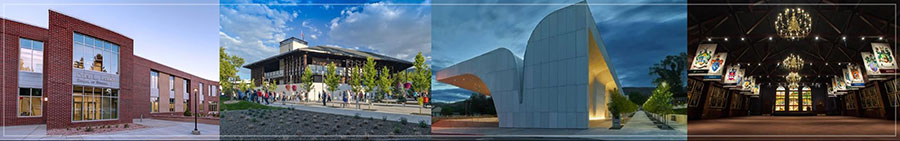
(178, 34)
(636, 36)
(252, 29)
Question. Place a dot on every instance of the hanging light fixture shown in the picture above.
(793, 63)
(793, 78)
(793, 23)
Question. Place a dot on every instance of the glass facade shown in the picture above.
(30, 102)
(31, 55)
(94, 103)
(94, 54)
(171, 93)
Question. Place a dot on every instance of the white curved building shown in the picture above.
(562, 82)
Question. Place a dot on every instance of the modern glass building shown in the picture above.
(563, 82)
(75, 73)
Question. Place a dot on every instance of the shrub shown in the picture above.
(423, 124)
(126, 125)
(356, 116)
(403, 120)
(397, 129)
(384, 118)
(187, 112)
(89, 129)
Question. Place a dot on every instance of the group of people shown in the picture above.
(258, 96)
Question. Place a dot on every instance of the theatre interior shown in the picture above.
(776, 69)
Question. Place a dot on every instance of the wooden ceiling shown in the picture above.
(712, 21)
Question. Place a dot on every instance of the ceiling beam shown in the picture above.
(819, 13)
(870, 24)
(758, 21)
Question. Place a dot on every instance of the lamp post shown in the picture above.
(196, 103)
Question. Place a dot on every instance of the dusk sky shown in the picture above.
(636, 35)
(253, 29)
(178, 34)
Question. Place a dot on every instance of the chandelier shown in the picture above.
(793, 23)
(793, 78)
(793, 63)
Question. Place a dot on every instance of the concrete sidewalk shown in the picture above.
(156, 130)
(362, 113)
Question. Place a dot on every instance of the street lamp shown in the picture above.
(196, 103)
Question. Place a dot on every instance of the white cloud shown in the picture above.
(252, 31)
(400, 31)
(313, 36)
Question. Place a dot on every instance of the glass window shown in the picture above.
(77, 102)
(201, 92)
(37, 56)
(25, 52)
(171, 104)
(93, 103)
(94, 54)
(30, 103)
(154, 79)
(155, 107)
(172, 84)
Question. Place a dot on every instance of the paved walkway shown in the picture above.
(362, 113)
(156, 130)
(639, 127)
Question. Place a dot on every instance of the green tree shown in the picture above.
(331, 78)
(619, 104)
(355, 83)
(661, 100)
(306, 80)
(422, 77)
(369, 73)
(671, 70)
(384, 83)
(398, 79)
(228, 69)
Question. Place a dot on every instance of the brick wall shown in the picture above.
(58, 70)
(11, 33)
(134, 78)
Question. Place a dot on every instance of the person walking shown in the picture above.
(322, 95)
(266, 98)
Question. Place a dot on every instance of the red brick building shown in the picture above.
(76, 73)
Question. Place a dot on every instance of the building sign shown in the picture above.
(274, 74)
(92, 78)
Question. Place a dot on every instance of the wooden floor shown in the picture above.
(793, 127)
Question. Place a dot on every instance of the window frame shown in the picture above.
(30, 105)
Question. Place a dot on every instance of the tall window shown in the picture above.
(30, 102)
(31, 55)
(154, 91)
(94, 103)
(185, 95)
(201, 95)
(31, 60)
(94, 54)
(171, 93)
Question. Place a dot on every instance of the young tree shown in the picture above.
(422, 77)
(228, 68)
(384, 83)
(331, 78)
(399, 79)
(355, 83)
(661, 100)
(306, 81)
(369, 73)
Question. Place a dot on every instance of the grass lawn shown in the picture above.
(244, 105)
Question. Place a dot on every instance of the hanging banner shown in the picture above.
(856, 77)
(716, 67)
(702, 60)
(873, 72)
(731, 76)
(885, 57)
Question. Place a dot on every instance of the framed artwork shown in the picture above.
(717, 64)
(851, 101)
(732, 74)
(694, 91)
